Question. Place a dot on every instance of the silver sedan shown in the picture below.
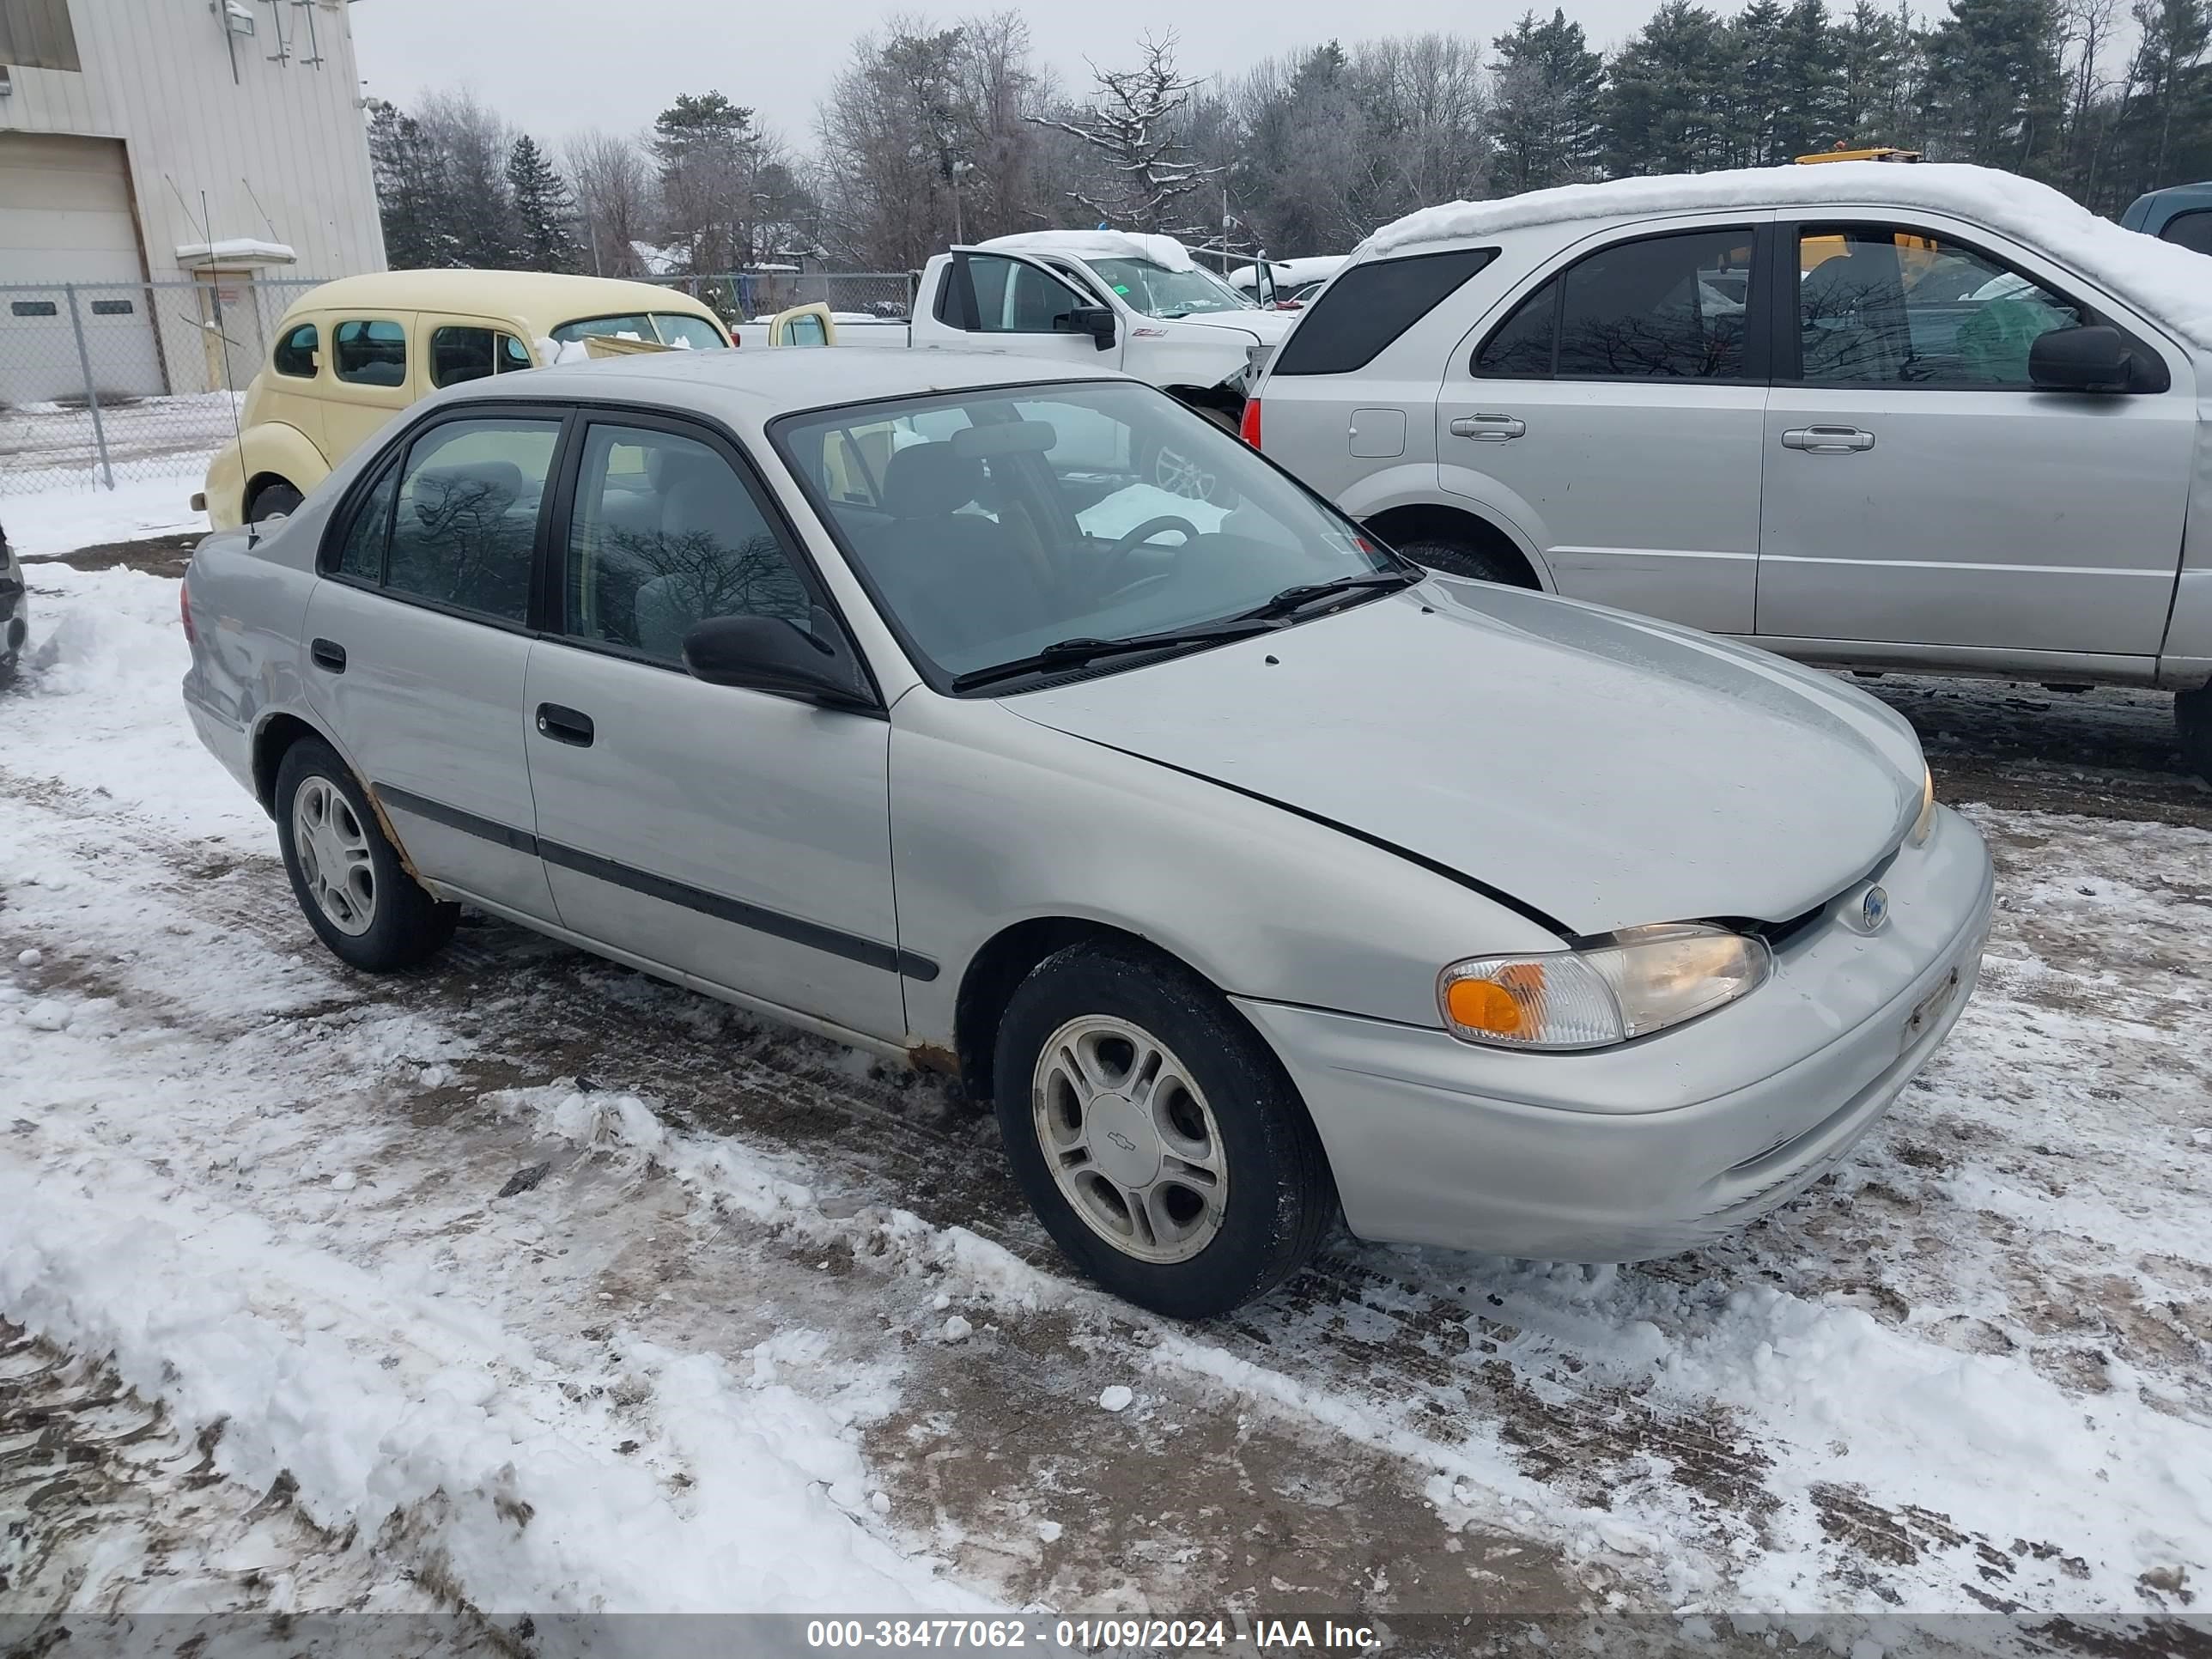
(1253, 875)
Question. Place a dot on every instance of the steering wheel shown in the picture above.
(1115, 556)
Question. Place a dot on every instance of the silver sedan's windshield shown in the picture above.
(995, 526)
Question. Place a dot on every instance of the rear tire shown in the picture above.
(273, 501)
(1208, 1187)
(2193, 724)
(345, 872)
(1483, 564)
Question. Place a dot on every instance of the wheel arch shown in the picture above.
(1434, 522)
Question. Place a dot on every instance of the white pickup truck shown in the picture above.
(1098, 298)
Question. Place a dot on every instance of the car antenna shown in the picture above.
(229, 391)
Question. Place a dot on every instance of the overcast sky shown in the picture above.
(553, 66)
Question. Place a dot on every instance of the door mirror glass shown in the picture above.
(775, 654)
(1097, 321)
(2092, 358)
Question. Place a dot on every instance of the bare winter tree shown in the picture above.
(1135, 125)
(474, 140)
(612, 175)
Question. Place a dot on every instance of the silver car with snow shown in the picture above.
(1877, 417)
(1252, 872)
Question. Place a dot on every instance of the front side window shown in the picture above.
(1158, 292)
(460, 353)
(295, 352)
(676, 330)
(663, 535)
(1012, 297)
(992, 525)
(466, 521)
(1879, 305)
(370, 353)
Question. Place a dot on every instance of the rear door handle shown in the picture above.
(1827, 440)
(569, 726)
(327, 654)
(1488, 428)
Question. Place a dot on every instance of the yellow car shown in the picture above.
(350, 354)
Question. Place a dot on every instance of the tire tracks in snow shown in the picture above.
(1420, 1347)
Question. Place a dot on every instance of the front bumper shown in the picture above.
(1655, 1146)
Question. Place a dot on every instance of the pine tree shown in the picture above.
(1994, 92)
(711, 158)
(1870, 95)
(1550, 92)
(1811, 71)
(1667, 95)
(545, 212)
(413, 194)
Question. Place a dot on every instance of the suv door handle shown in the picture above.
(1827, 440)
(1488, 428)
(327, 654)
(568, 725)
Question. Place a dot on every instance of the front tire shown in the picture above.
(1484, 564)
(1156, 1136)
(2193, 725)
(345, 872)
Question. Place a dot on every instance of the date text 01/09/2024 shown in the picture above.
(1090, 1635)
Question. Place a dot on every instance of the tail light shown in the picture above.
(184, 613)
(1248, 428)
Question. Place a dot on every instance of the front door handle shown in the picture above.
(1827, 440)
(1488, 428)
(327, 654)
(568, 725)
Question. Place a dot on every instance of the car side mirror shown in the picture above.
(2093, 357)
(775, 654)
(1097, 321)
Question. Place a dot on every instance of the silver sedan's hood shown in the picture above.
(1603, 769)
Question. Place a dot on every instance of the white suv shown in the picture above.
(1882, 416)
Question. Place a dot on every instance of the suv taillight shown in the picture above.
(184, 613)
(1248, 428)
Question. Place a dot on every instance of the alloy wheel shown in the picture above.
(333, 855)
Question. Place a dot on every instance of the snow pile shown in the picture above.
(1098, 245)
(2172, 283)
(113, 647)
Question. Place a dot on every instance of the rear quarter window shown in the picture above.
(1371, 305)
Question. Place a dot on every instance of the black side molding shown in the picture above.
(853, 947)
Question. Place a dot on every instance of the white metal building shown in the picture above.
(215, 141)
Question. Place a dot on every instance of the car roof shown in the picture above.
(750, 386)
(2166, 281)
(543, 299)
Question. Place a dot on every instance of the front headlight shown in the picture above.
(1924, 825)
(1638, 981)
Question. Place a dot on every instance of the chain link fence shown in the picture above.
(109, 383)
(104, 383)
(748, 296)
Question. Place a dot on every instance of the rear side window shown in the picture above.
(295, 352)
(1659, 308)
(370, 353)
(1371, 305)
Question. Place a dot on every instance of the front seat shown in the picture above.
(1851, 314)
(959, 580)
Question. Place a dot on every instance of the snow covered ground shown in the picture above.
(526, 1284)
(56, 446)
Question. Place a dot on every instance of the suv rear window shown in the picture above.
(1371, 305)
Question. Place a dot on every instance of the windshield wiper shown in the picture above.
(1297, 599)
(1073, 654)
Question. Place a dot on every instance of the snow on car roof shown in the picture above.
(1098, 245)
(2172, 283)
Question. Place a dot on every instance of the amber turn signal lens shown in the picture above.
(1483, 1005)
